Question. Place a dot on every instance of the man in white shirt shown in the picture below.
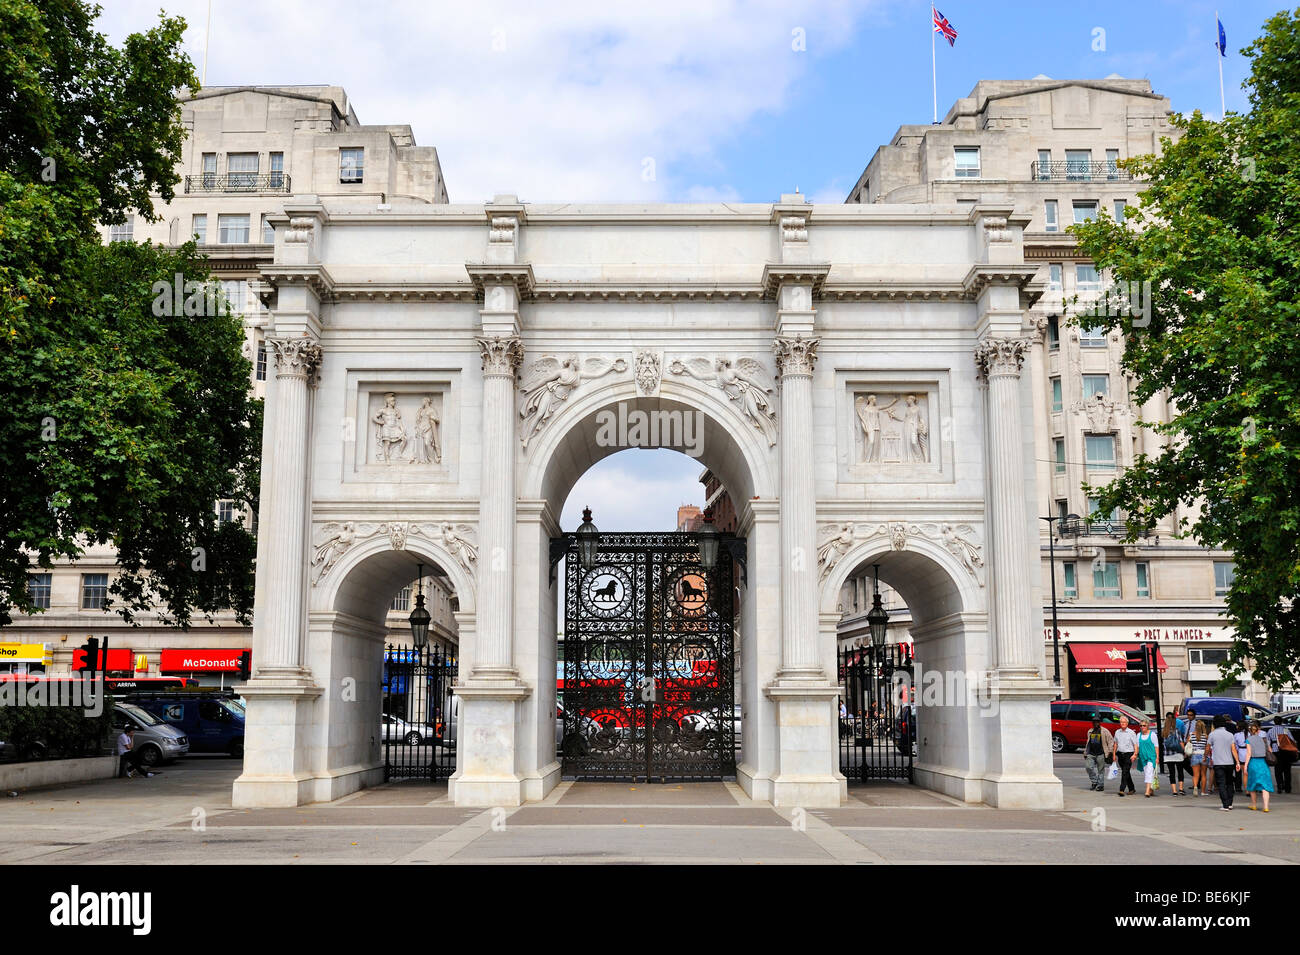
(128, 758)
(1126, 743)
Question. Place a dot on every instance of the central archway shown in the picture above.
(587, 430)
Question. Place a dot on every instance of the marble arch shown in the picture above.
(440, 329)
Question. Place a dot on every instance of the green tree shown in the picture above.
(125, 419)
(1217, 237)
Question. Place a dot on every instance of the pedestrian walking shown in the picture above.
(128, 757)
(1126, 743)
(1285, 752)
(1172, 742)
(1098, 753)
(1239, 739)
(1148, 756)
(1201, 770)
(1221, 753)
(1259, 774)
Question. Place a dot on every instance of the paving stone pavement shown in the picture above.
(185, 816)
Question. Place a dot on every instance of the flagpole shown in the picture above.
(934, 76)
(207, 41)
(1223, 109)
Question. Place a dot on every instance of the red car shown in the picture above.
(1071, 720)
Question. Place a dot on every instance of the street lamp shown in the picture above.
(588, 541)
(419, 617)
(708, 540)
(1056, 633)
(878, 617)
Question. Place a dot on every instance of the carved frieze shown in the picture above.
(333, 539)
(743, 381)
(648, 368)
(893, 427)
(549, 383)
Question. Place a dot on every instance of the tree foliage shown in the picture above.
(123, 422)
(1217, 237)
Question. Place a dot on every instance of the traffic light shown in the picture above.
(1139, 661)
(90, 655)
(245, 665)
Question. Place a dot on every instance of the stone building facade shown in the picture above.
(1054, 147)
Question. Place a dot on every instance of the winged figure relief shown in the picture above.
(742, 381)
(549, 383)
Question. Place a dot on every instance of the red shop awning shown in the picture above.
(1106, 657)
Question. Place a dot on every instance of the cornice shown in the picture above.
(776, 274)
(315, 277)
(520, 276)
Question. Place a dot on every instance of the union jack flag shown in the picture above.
(941, 25)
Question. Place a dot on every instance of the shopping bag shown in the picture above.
(1113, 772)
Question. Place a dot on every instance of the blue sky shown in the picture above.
(684, 100)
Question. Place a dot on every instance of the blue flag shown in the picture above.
(1222, 45)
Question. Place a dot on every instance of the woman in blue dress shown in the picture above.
(1148, 755)
(1259, 776)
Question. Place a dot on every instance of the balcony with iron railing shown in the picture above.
(1070, 170)
(238, 182)
(1075, 526)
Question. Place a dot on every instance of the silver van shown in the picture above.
(155, 740)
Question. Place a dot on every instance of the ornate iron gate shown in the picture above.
(878, 715)
(648, 657)
(418, 733)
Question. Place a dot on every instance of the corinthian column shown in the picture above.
(494, 653)
(284, 506)
(795, 358)
(1019, 652)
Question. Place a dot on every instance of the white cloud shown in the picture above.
(635, 491)
(562, 100)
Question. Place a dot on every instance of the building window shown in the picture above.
(209, 170)
(1044, 164)
(1084, 209)
(1112, 164)
(1206, 656)
(236, 293)
(1095, 514)
(1062, 509)
(1053, 332)
(967, 161)
(277, 170)
(1071, 590)
(1143, 579)
(351, 165)
(1095, 385)
(232, 229)
(242, 169)
(1099, 452)
(1086, 278)
(122, 232)
(38, 590)
(1224, 572)
(268, 231)
(402, 601)
(1120, 206)
(1078, 165)
(1056, 394)
(199, 229)
(225, 512)
(94, 591)
(1059, 444)
(1050, 223)
(1105, 580)
(1054, 276)
(261, 361)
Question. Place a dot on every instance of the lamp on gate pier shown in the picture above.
(878, 617)
(420, 617)
(708, 540)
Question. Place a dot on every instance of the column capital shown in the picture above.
(795, 356)
(1000, 357)
(296, 357)
(502, 355)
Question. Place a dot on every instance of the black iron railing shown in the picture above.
(238, 182)
(1097, 527)
(878, 722)
(418, 723)
(1076, 171)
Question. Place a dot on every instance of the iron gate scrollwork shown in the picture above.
(648, 662)
(417, 732)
